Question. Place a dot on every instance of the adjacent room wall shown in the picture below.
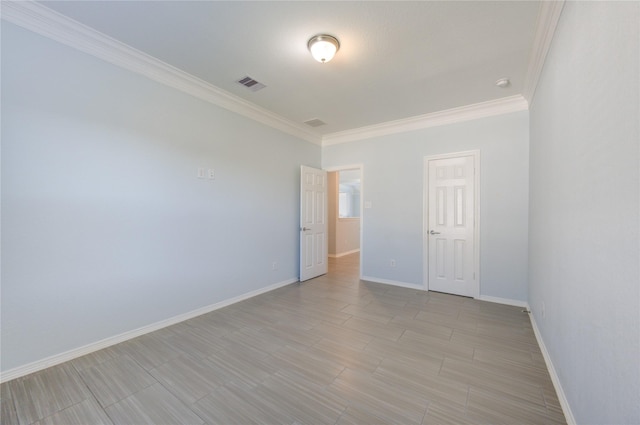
(105, 226)
(347, 236)
(343, 233)
(393, 176)
(584, 210)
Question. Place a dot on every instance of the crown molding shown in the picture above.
(51, 24)
(548, 16)
(501, 106)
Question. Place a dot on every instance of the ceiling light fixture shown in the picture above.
(323, 47)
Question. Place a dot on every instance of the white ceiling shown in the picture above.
(397, 59)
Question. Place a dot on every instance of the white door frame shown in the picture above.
(361, 168)
(425, 213)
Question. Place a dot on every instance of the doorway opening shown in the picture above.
(345, 206)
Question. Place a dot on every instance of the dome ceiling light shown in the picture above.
(323, 47)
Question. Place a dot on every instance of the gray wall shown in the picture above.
(584, 210)
(105, 227)
(393, 182)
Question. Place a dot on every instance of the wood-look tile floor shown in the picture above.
(333, 350)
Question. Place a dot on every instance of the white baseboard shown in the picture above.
(564, 403)
(393, 282)
(107, 342)
(506, 301)
(342, 254)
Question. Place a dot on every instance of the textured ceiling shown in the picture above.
(397, 59)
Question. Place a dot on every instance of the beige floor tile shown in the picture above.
(490, 342)
(450, 321)
(509, 355)
(370, 394)
(95, 358)
(354, 415)
(423, 380)
(514, 370)
(116, 379)
(435, 346)
(482, 377)
(421, 327)
(241, 371)
(153, 405)
(251, 340)
(228, 405)
(87, 412)
(44, 393)
(192, 342)
(8, 414)
(187, 378)
(340, 335)
(306, 402)
(150, 350)
(363, 312)
(306, 364)
(344, 355)
(486, 405)
(439, 414)
(291, 335)
(376, 329)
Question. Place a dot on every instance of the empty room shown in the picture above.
(320, 212)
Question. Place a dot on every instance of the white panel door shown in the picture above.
(313, 223)
(450, 229)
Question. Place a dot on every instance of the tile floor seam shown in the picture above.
(88, 388)
(104, 407)
(13, 403)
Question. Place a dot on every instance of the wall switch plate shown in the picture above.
(200, 173)
(211, 174)
(392, 263)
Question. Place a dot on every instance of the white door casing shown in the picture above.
(451, 237)
(313, 223)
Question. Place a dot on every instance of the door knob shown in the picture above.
(434, 232)
(304, 229)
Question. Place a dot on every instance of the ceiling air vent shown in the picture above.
(315, 122)
(251, 84)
